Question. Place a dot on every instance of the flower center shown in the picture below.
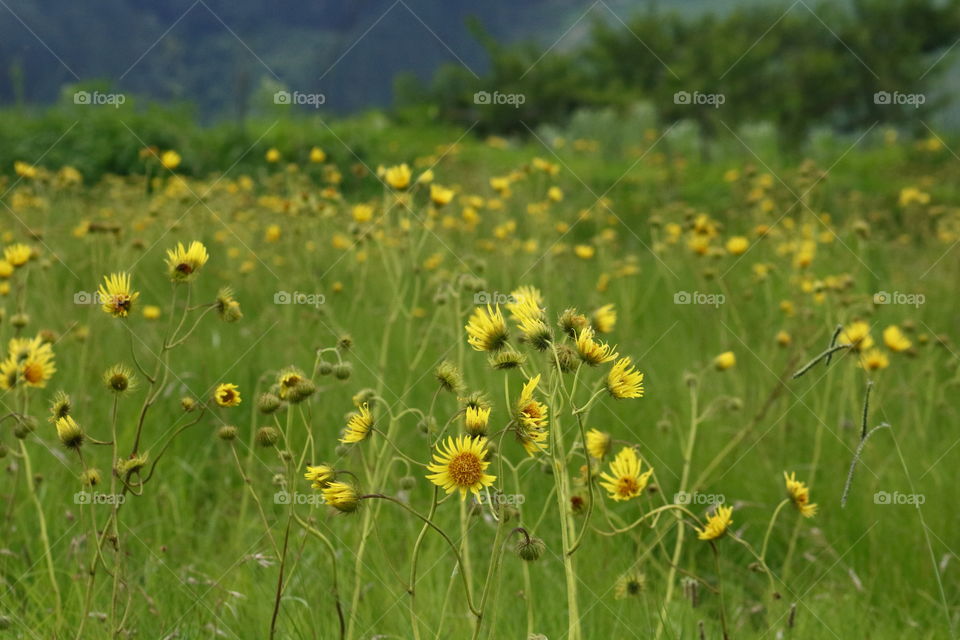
(628, 486)
(33, 373)
(465, 469)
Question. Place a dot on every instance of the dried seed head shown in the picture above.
(267, 436)
(530, 549)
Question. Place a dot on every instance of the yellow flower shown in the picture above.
(724, 361)
(857, 334)
(38, 367)
(895, 340)
(184, 263)
(358, 426)
(317, 155)
(461, 464)
(6, 269)
(319, 475)
(486, 329)
(800, 495)
(341, 496)
(475, 420)
(625, 480)
(151, 312)
(737, 245)
(116, 294)
(532, 419)
(227, 395)
(629, 584)
(272, 155)
(440, 196)
(624, 381)
(717, 524)
(170, 159)
(604, 319)
(398, 177)
(591, 351)
(362, 213)
(69, 432)
(598, 443)
(18, 254)
(584, 251)
(874, 360)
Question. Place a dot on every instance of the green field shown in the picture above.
(736, 247)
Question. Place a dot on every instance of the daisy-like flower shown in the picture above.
(358, 426)
(319, 475)
(598, 443)
(486, 330)
(874, 360)
(342, 496)
(857, 334)
(461, 464)
(440, 196)
(591, 351)
(629, 584)
(724, 361)
(398, 177)
(717, 524)
(799, 494)
(60, 406)
(895, 340)
(475, 420)
(625, 481)
(531, 417)
(227, 395)
(289, 379)
(69, 432)
(9, 374)
(604, 319)
(116, 295)
(38, 367)
(20, 348)
(185, 262)
(119, 378)
(624, 381)
(525, 301)
(535, 331)
(17, 254)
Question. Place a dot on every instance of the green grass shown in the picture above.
(190, 546)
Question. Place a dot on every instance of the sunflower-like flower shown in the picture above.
(625, 480)
(475, 420)
(630, 584)
(624, 381)
(116, 295)
(874, 360)
(857, 334)
(185, 262)
(9, 374)
(598, 443)
(486, 330)
(525, 301)
(227, 395)
(60, 406)
(535, 331)
(461, 464)
(119, 378)
(724, 361)
(17, 254)
(289, 380)
(591, 351)
(319, 476)
(69, 432)
(895, 340)
(38, 367)
(342, 496)
(398, 177)
(358, 426)
(440, 196)
(604, 319)
(799, 494)
(531, 417)
(227, 305)
(717, 524)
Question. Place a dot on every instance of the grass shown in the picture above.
(196, 558)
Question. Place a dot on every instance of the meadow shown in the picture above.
(450, 386)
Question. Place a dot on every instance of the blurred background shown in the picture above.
(798, 67)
